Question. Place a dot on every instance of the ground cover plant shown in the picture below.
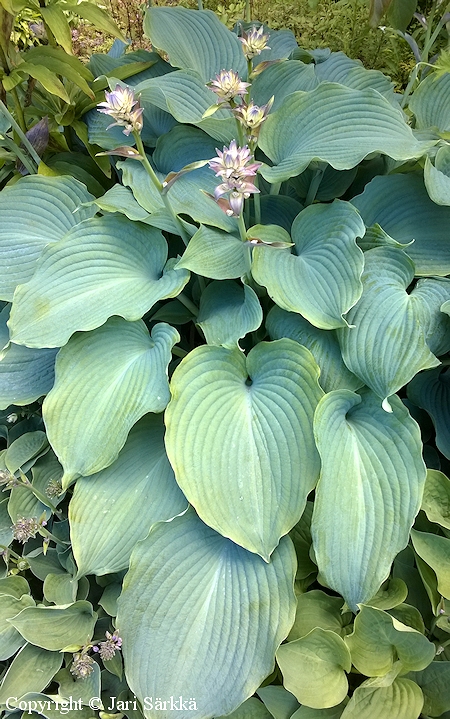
(224, 384)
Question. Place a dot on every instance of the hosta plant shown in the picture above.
(234, 489)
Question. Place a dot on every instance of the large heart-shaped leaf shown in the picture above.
(99, 502)
(314, 667)
(35, 211)
(323, 345)
(378, 640)
(431, 391)
(10, 638)
(117, 269)
(340, 126)
(25, 374)
(317, 609)
(228, 311)
(281, 703)
(401, 205)
(106, 380)
(435, 687)
(322, 280)
(212, 613)
(387, 345)
(194, 40)
(243, 450)
(375, 459)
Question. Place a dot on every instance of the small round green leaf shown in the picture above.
(228, 311)
(314, 667)
(403, 699)
(54, 628)
(214, 254)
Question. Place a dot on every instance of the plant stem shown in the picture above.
(153, 177)
(24, 139)
(247, 246)
(179, 352)
(24, 159)
(427, 45)
(257, 202)
(200, 4)
(11, 552)
(409, 87)
(248, 15)
(275, 188)
(48, 535)
(19, 110)
(188, 303)
(314, 186)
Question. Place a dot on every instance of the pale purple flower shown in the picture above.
(82, 665)
(235, 167)
(252, 116)
(25, 528)
(54, 488)
(254, 42)
(227, 85)
(108, 649)
(122, 105)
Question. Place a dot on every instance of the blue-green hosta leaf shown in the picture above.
(54, 628)
(25, 448)
(35, 211)
(435, 687)
(215, 254)
(244, 455)
(10, 639)
(430, 294)
(181, 146)
(279, 210)
(437, 176)
(314, 667)
(333, 713)
(392, 593)
(281, 44)
(402, 699)
(301, 536)
(430, 103)
(121, 199)
(106, 380)
(185, 96)
(228, 311)
(31, 671)
(6, 532)
(250, 709)
(436, 498)
(387, 345)
(212, 613)
(322, 344)
(14, 586)
(99, 502)
(322, 280)
(333, 183)
(281, 80)
(25, 374)
(339, 68)
(375, 458)
(378, 640)
(117, 269)
(431, 391)
(281, 703)
(340, 126)
(317, 609)
(376, 237)
(401, 205)
(187, 195)
(194, 40)
(435, 551)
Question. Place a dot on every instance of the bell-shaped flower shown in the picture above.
(236, 168)
(252, 116)
(122, 105)
(254, 42)
(227, 85)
